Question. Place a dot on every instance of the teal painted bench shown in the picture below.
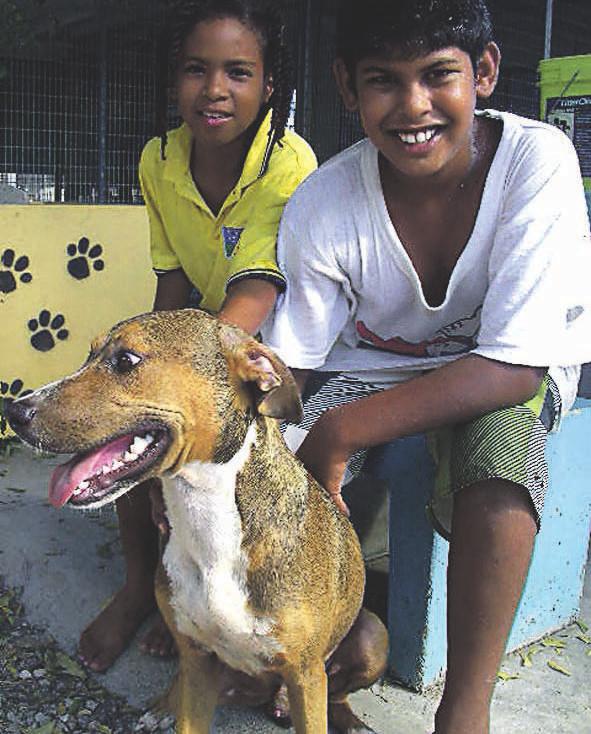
(418, 555)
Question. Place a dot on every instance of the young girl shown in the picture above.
(214, 189)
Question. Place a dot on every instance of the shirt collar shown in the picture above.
(178, 155)
(255, 156)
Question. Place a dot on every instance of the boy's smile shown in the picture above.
(221, 84)
(419, 112)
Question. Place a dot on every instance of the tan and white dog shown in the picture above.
(262, 578)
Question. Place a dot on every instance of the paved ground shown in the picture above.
(68, 564)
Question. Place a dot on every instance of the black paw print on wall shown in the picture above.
(82, 256)
(46, 330)
(9, 392)
(12, 270)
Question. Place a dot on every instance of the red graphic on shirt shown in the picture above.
(458, 337)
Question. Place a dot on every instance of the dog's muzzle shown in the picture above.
(19, 414)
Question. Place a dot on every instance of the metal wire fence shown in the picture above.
(76, 111)
(75, 117)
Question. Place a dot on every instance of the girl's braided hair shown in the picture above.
(265, 19)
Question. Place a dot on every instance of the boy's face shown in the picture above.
(419, 112)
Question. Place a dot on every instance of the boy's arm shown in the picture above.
(300, 377)
(248, 303)
(455, 393)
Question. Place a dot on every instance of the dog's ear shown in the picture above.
(276, 393)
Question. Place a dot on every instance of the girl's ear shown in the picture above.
(345, 85)
(487, 71)
(268, 88)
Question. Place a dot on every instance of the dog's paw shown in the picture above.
(82, 256)
(9, 392)
(13, 270)
(45, 330)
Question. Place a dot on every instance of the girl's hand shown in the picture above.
(325, 455)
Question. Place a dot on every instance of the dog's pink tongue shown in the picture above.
(66, 477)
(60, 486)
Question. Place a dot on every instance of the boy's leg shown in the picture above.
(498, 468)
(494, 527)
(108, 635)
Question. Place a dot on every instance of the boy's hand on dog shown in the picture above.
(325, 454)
(159, 509)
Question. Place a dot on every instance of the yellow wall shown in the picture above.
(82, 268)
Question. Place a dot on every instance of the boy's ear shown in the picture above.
(345, 85)
(487, 70)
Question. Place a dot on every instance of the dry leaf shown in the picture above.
(526, 656)
(502, 675)
(558, 668)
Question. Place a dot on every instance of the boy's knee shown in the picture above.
(494, 499)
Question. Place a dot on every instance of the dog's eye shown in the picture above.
(125, 361)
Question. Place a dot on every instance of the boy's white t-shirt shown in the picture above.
(519, 293)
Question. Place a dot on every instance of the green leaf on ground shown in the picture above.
(69, 666)
(526, 656)
(49, 728)
(5, 608)
(553, 642)
(502, 675)
(581, 625)
(558, 668)
(584, 638)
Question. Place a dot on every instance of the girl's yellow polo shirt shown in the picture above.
(239, 242)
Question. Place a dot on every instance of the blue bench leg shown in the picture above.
(418, 563)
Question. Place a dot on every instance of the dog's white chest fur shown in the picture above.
(207, 567)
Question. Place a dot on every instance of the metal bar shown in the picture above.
(102, 118)
(304, 86)
(548, 33)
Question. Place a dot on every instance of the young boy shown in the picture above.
(436, 282)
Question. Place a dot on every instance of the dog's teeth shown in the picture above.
(139, 445)
(128, 457)
(149, 438)
(77, 491)
(83, 485)
(117, 464)
(106, 469)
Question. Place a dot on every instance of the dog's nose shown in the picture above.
(20, 413)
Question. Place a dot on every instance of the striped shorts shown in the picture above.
(506, 444)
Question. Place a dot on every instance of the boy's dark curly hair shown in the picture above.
(265, 19)
(414, 27)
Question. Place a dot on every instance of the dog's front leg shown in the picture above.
(195, 692)
(307, 692)
(198, 691)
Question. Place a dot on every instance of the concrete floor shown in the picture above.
(68, 564)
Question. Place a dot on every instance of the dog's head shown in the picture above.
(160, 390)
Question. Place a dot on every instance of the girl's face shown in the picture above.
(221, 83)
